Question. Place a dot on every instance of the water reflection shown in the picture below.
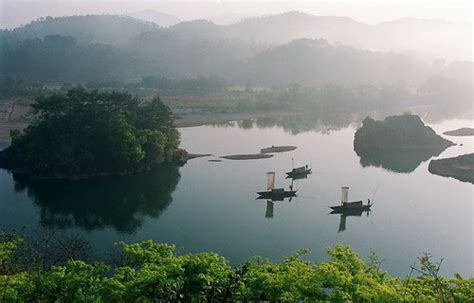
(118, 202)
(295, 123)
(400, 161)
(327, 121)
(349, 213)
(269, 210)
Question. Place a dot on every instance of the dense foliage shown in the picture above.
(84, 133)
(150, 272)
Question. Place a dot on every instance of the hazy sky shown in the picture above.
(16, 12)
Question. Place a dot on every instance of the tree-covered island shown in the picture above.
(91, 133)
(401, 133)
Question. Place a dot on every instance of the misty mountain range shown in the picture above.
(166, 20)
(271, 50)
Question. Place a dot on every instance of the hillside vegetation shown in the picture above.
(151, 272)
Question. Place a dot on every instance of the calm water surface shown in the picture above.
(211, 205)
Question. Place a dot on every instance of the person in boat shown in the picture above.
(368, 202)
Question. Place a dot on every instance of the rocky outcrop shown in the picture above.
(398, 143)
(398, 133)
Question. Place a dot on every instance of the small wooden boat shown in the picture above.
(275, 193)
(349, 206)
(299, 172)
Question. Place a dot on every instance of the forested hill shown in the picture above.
(316, 62)
(437, 38)
(108, 29)
(273, 50)
(159, 18)
(434, 38)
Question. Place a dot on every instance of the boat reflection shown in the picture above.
(348, 213)
(269, 211)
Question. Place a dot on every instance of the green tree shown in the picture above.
(83, 133)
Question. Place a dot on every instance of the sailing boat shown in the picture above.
(275, 193)
(349, 206)
(299, 172)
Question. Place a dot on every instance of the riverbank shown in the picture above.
(16, 114)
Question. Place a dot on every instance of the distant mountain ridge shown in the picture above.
(110, 29)
(159, 18)
(436, 38)
(227, 18)
(269, 50)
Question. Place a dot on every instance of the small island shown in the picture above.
(398, 132)
(398, 143)
(465, 131)
(84, 134)
(461, 167)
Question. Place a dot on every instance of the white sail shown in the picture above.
(270, 180)
(345, 194)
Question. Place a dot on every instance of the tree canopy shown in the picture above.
(83, 133)
(151, 272)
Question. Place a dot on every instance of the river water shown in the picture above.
(212, 206)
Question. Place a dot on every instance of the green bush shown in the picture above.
(152, 272)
